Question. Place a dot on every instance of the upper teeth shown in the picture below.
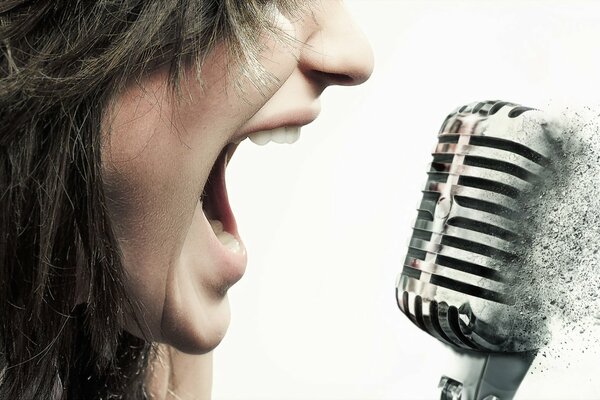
(286, 134)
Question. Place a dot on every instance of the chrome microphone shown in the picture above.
(460, 278)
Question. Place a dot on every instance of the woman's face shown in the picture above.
(181, 249)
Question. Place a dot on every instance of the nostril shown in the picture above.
(329, 78)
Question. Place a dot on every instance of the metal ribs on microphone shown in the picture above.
(469, 229)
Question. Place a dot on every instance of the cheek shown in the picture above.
(151, 178)
(148, 175)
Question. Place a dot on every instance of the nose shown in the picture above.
(336, 52)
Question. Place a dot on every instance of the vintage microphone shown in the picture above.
(460, 279)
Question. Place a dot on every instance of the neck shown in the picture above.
(173, 375)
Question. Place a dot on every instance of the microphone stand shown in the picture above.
(485, 376)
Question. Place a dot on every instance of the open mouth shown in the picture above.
(214, 199)
(215, 202)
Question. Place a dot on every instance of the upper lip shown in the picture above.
(298, 117)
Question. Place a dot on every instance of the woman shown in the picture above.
(117, 120)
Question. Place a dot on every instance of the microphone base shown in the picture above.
(485, 376)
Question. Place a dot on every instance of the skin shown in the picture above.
(157, 155)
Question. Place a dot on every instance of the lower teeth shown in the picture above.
(226, 238)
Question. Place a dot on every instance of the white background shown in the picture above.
(326, 220)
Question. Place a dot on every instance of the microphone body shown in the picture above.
(460, 279)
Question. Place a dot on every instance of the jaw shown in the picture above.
(195, 312)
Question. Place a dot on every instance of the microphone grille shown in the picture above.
(468, 233)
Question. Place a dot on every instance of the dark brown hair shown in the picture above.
(61, 63)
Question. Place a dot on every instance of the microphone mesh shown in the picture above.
(459, 269)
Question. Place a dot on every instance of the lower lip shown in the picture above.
(231, 265)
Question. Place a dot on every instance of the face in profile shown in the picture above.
(164, 166)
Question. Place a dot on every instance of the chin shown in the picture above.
(192, 330)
